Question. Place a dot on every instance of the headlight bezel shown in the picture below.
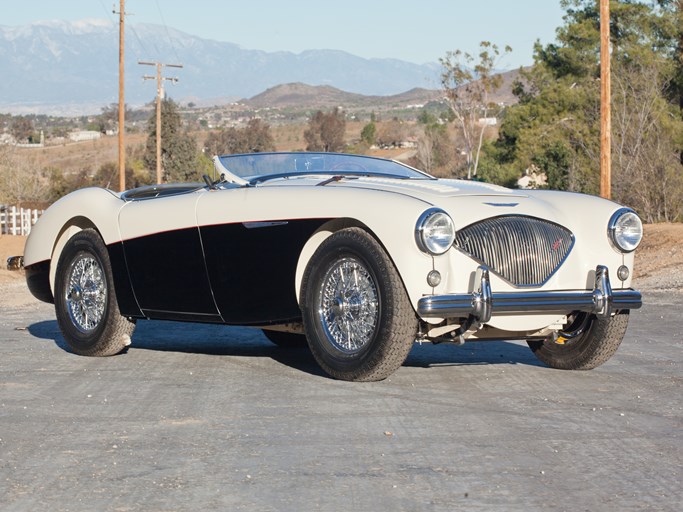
(617, 227)
(424, 232)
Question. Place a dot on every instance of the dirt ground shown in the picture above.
(10, 246)
(659, 259)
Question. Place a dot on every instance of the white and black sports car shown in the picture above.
(358, 256)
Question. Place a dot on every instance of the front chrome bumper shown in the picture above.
(482, 303)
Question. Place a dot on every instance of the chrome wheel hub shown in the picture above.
(86, 294)
(349, 306)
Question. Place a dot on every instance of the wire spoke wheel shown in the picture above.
(86, 296)
(85, 300)
(358, 320)
(349, 305)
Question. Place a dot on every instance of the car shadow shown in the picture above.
(221, 340)
(471, 353)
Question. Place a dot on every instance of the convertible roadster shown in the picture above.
(358, 257)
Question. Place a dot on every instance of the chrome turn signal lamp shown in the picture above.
(434, 278)
(623, 272)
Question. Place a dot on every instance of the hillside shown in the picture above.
(299, 95)
(304, 96)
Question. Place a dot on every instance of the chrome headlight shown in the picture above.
(625, 230)
(434, 232)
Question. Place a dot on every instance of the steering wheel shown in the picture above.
(348, 166)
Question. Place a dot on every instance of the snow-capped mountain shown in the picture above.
(75, 65)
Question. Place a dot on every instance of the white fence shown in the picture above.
(17, 221)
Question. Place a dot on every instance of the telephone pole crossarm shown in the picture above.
(160, 93)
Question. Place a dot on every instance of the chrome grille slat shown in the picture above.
(526, 251)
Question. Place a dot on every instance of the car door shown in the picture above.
(164, 257)
(252, 248)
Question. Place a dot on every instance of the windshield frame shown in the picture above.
(251, 169)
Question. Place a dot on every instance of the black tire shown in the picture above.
(286, 339)
(598, 340)
(85, 300)
(373, 310)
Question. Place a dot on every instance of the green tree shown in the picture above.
(671, 26)
(369, 133)
(326, 131)
(556, 124)
(178, 148)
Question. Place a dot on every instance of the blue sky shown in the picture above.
(418, 31)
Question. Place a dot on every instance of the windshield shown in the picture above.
(258, 167)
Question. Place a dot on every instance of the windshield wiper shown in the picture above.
(338, 177)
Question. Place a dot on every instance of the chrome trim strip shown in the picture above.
(507, 205)
(264, 224)
(482, 303)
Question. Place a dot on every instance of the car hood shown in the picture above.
(429, 190)
(470, 201)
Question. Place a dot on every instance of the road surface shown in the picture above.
(216, 418)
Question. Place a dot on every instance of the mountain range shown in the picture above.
(64, 67)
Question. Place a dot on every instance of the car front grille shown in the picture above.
(525, 251)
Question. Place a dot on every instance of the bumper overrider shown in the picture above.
(482, 303)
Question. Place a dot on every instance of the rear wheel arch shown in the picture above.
(69, 229)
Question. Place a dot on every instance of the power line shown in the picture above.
(107, 11)
(142, 44)
(168, 33)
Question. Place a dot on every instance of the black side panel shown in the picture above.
(252, 270)
(168, 274)
(124, 293)
(38, 281)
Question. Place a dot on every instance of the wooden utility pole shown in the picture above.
(160, 94)
(122, 104)
(605, 104)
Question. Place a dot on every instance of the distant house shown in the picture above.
(82, 135)
(532, 179)
(487, 121)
